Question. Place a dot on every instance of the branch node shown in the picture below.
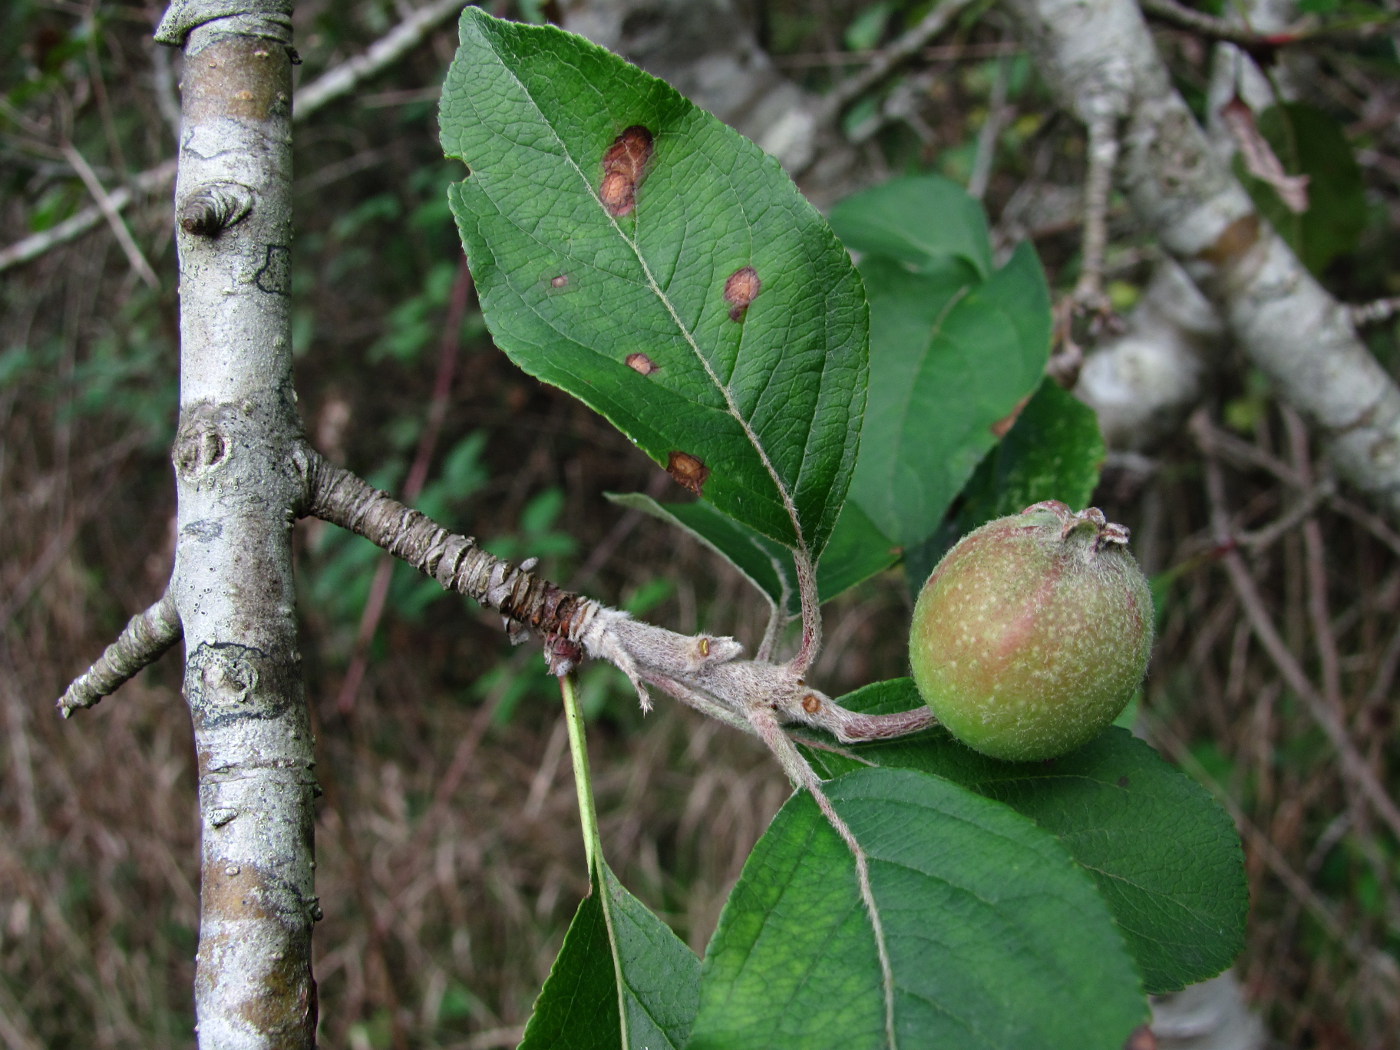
(214, 207)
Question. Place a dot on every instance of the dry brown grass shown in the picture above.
(450, 858)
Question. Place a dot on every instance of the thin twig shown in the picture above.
(1260, 44)
(79, 223)
(1353, 765)
(1374, 312)
(145, 637)
(331, 85)
(449, 351)
(1315, 571)
(889, 59)
(572, 626)
(1098, 184)
(381, 54)
(112, 214)
(962, 52)
(1178, 14)
(989, 135)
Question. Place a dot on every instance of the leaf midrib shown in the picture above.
(789, 504)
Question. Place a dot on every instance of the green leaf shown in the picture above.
(763, 404)
(924, 221)
(622, 979)
(868, 26)
(996, 938)
(765, 564)
(1310, 142)
(956, 347)
(855, 552)
(951, 359)
(1163, 852)
(1054, 450)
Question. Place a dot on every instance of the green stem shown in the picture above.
(598, 874)
(583, 780)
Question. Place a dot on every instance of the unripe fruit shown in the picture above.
(1033, 632)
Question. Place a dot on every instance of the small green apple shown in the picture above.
(1033, 632)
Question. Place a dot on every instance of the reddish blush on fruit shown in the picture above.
(1033, 632)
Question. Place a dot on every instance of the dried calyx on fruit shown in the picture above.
(1033, 632)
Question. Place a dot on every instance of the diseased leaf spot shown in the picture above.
(688, 471)
(618, 193)
(624, 168)
(558, 282)
(641, 363)
(811, 704)
(741, 289)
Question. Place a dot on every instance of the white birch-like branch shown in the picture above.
(1097, 55)
(1143, 381)
(236, 498)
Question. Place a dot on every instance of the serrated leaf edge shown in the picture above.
(481, 19)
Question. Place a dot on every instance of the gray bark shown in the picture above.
(1100, 61)
(238, 492)
(1211, 1015)
(1145, 380)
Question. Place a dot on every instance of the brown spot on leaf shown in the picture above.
(811, 704)
(641, 363)
(688, 471)
(618, 193)
(560, 281)
(741, 289)
(624, 168)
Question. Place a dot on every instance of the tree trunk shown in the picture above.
(239, 492)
